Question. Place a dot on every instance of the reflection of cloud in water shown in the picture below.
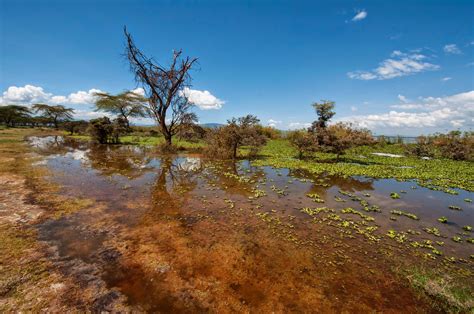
(190, 164)
(41, 162)
(78, 154)
(45, 141)
(75, 154)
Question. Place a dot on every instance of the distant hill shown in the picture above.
(211, 125)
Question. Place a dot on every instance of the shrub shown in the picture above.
(191, 132)
(225, 141)
(105, 131)
(422, 148)
(339, 137)
(271, 132)
(304, 142)
(75, 126)
(455, 145)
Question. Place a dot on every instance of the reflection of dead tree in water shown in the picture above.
(173, 184)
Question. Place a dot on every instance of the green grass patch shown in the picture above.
(360, 161)
(448, 294)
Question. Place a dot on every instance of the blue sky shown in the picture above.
(396, 67)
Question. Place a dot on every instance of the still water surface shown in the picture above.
(181, 233)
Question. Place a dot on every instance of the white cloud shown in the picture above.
(298, 125)
(29, 94)
(444, 79)
(139, 91)
(203, 99)
(399, 64)
(402, 98)
(429, 112)
(452, 49)
(273, 123)
(82, 97)
(360, 16)
(457, 123)
(353, 108)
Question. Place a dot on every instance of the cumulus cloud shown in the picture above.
(298, 125)
(82, 97)
(360, 16)
(139, 91)
(27, 94)
(203, 99)
(402, 98)
(399, 64)
(444, 79)
(452, 49)
(273, 123)
(30, 94)
(429, 112)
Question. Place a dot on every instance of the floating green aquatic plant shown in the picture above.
(467, 228)
(400, 237)
(457, 239)
(315, 197)
(350, 210)
(403, 213)
(468, 200)
(443, 219)
(454, 207)
(433, 231)
(394, 195)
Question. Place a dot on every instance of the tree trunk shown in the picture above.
(234, 152)
(168, 138)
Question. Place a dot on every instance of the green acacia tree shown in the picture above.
(12, 114)
(125, 105)
(55, 114)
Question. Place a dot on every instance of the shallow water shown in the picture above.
(181, 233)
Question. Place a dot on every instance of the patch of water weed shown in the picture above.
(403, 213)
(436, 174)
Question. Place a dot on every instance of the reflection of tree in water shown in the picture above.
(175, 179)
(124, 160)
(54, 145)
(349, 184)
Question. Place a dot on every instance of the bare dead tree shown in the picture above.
(164, 86)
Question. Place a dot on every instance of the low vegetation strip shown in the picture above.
(436, 173)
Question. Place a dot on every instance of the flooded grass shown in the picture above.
(179, 233)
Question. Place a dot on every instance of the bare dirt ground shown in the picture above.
(33, 277)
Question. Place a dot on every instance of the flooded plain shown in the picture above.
(184, 234)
